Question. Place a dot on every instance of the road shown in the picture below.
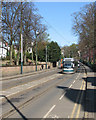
(46, 95)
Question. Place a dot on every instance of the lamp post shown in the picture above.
(46, 56)
(37, 33)
(21, 54)
(94, 34)
(62, 53)
(21, 42)
(32, 49)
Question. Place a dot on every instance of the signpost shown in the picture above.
(21, 54)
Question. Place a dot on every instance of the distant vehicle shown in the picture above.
(60, 64)
(78, 64)
(68, 65)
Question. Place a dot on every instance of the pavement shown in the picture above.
(90, 93)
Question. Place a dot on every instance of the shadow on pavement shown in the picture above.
(92, 80)
(87, 101)
(15, 108)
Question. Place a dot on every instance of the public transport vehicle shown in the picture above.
(68, 65)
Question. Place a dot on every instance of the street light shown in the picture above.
(37, 33)
(21, 54)
(46, 56)
(21, 42)
(32, 49)
(62, 53)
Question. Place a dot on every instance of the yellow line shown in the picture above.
(86, 115)
(79, 107)
(74, 108)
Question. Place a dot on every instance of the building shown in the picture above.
(3, 49)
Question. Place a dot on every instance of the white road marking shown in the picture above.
(70, 86)
(68, 116)
(45, 116)
(61, 97)
(74, 81)
(53, 116)
(78, 76)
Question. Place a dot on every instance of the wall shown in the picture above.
(8, 71)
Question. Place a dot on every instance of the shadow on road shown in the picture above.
(60, 72)
(15, 108)
(87, 100)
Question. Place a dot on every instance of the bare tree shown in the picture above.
(10, 23)
(83, 26)
(20, 18)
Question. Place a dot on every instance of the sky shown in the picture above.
(58, 18)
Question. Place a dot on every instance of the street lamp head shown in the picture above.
(32, 43)
(37, 32)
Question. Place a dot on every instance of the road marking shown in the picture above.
(78, 76)
(61, 97)
(70, 86)
(74, 108)
(29, 85)
(85, 75)
(45, 116)
(74, 81)
(78, 112)
(86, 115)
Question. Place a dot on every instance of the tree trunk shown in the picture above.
(25, 58)
(25, 55)
(18, 54)
(17, 62)
(11, 54)
(32, 54)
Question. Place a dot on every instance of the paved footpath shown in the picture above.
(24, 87)
(25, 74)
(90, 102)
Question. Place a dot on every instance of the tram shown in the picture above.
(68, 65)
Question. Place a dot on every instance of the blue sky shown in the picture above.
(59, 20)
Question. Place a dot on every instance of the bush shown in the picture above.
(7, 58)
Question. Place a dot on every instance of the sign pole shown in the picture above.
(21, 54)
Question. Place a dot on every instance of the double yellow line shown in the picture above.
(75, 106)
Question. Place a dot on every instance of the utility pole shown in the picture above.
(37, 33)
(46, 56)
(32, 50)
(21, 43)
(21, 54)
(36, 54)
(94, 39)
(1, 38)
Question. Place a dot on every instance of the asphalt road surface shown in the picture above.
(56, 95)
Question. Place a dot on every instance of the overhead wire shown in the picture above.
(54, 29)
